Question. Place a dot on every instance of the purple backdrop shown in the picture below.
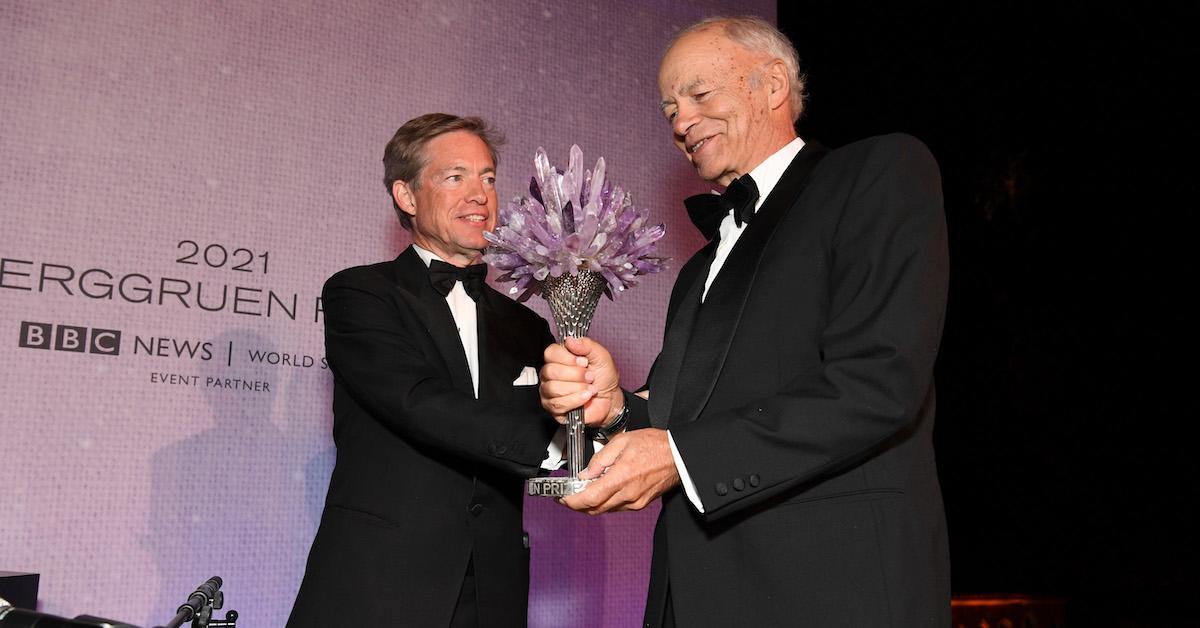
(179, 179)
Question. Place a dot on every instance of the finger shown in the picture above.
(591, 497)
(575, 502)
(585, 347)
(560, 398)
(616, 491)
(558, 354)
(603, 459)
(616, 503)
(596, 358)
(562, 404)
(564, 373)
(580, 346)
(622, 498)
(553, 389)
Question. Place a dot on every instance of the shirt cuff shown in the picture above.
(689, 488)
(554, 451)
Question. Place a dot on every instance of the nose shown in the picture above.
(685, 118)
(475, 192)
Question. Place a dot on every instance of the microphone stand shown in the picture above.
(199, 607)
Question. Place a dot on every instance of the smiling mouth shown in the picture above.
(692, 148)
(475, 218)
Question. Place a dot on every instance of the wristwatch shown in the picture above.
(603, 434)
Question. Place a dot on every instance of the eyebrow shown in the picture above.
(687, 89)
(460, 168)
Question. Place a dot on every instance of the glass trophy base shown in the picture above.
(555, 487)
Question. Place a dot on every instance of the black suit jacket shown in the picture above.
(800, 395)
(427, 477)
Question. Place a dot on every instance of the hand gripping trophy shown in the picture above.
(575, 237)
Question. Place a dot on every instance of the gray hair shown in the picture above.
(757, 35)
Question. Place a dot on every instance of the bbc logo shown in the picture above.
(70, 338)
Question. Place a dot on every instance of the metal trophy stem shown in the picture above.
(572, 300)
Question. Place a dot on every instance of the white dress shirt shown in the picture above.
(765, 176)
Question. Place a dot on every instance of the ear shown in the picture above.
(779, 88)
(404, 197)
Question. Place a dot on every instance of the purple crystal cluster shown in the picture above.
(572, 221)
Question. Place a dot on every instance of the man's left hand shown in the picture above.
(632, 470)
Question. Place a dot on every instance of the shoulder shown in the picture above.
(892, 144)
(883, 151)
(885, 165)
(381, 274)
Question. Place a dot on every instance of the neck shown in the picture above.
(461, 260)
(774, 139)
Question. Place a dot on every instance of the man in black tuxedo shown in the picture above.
(436, 413)
(787, 421)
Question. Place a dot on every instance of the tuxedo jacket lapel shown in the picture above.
(413, 276)
(681, 320)
(716, 321)
(499, 361)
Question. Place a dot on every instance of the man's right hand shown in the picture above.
(581, 373)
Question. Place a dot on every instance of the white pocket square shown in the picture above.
(528, 377)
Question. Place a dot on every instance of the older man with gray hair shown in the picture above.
(787, 422)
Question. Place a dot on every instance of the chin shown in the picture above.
(474, 245)
(709, 175)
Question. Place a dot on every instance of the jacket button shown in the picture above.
(500, 450)
(475, 509)
(739, 484)
(754, 479)
(721, 489)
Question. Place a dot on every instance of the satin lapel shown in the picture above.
(497, 365)
(718, 317)
(664, 379)
(413, 276)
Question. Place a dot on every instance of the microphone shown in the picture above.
(199, 605)
(204, 595)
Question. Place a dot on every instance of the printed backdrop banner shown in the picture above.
(179, 178)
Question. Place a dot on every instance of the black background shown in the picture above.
(1065, 138)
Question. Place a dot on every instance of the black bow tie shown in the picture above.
(708, 210)
(443, 276)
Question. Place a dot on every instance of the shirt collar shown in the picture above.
(426, 255)
(768, 173)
